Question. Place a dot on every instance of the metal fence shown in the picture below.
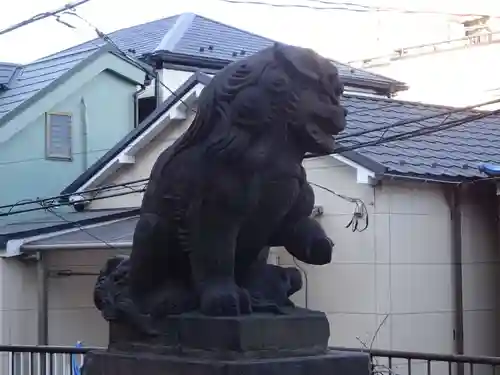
(414, 363)
(54, 360)
(41, 360)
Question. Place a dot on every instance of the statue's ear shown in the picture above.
(300, 60)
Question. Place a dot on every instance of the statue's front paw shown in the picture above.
(224, 299)
(321, 251)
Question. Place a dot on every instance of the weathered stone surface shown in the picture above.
(300, 331)
(229, 188)
(196, 296)
(259, 344)
(125, 363)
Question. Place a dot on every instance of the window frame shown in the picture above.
(48, 137)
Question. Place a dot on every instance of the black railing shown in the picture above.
(58, 360)
(41, 360)
(413, 363)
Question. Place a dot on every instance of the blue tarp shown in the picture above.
(77, 367)
(490, 169)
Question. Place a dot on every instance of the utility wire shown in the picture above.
(381, 140)
(359, 213)
(19, 161)
(303, 6)
(339, 138)
(129, 58)
(360, 210)
(397, 137)
(351, 7)
(415, 133)
(401, 136)
(100, 189)
(79, 226)
(41, 16)
(417, 119)
(44, 205)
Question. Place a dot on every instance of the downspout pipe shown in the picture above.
(158, 89)
(456, 253)
(84, 135)
(43, 306)
(136, 104)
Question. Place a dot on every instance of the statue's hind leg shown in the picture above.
(149, 257)
(159, 269)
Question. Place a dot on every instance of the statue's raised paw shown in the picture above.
(224, 299)
(321, 250)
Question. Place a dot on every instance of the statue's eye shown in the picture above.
(338, 90)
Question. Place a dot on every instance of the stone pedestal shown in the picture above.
(192, 344)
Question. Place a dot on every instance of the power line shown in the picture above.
(129, 58)
(417, 120)
(50, 205)
(350, 7)
(303, 6)
(80, 227)
(41, 16)
(397, 137)
(19, 161)
(419, 132)
(397, 9)
(339, 138)
(44, 201)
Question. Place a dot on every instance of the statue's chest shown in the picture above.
(276, 197)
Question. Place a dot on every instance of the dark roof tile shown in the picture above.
(452, 153)
(33, 77)
(193, 35)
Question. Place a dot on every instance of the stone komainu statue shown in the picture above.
(228, 189)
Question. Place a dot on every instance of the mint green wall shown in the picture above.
(110, 116)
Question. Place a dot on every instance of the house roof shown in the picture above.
(191, 35)
(48, 222)
(454, 154)
(33, 78)
(32, 81)
(7, 71)
(110, 233)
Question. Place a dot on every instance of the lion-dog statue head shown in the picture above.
(282, 93)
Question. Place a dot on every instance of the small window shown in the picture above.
(58, 136)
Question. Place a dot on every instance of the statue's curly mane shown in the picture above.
(243, 100)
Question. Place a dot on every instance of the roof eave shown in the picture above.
(49, 88)
(162, 58)
(430, 178)
(365, 162)
(381, 87)
(67, 225)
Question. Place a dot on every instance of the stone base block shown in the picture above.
(128, 363)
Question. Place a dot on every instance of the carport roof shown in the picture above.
(114, 234)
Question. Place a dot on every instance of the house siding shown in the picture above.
(400, 270)
(110, 114)
(171, 80)
(72, 316)
(480, 269)
(141, 169)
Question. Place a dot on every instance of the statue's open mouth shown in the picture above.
(330, 124)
